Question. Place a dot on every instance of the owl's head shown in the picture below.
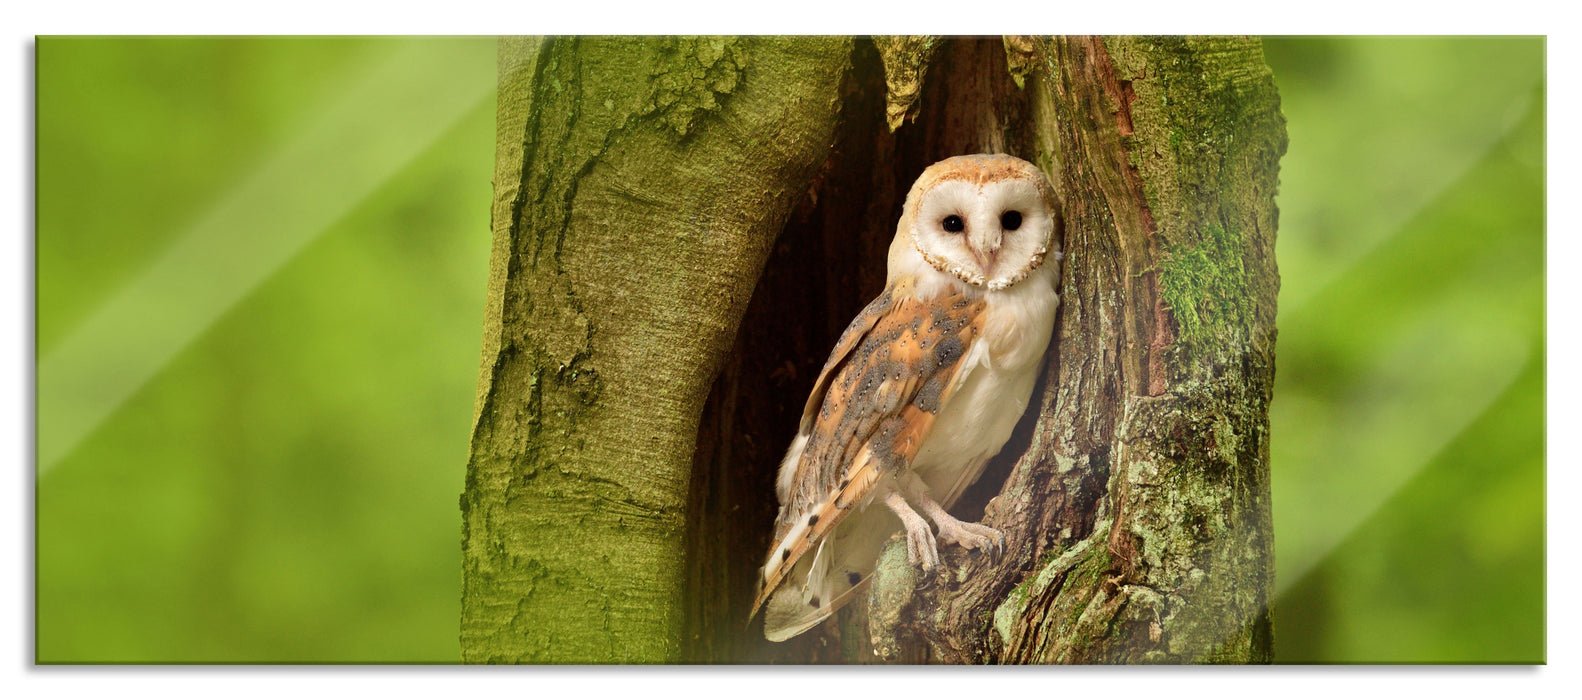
(987, 220)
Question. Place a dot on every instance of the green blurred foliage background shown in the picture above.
(283, 486)
(1408, 419)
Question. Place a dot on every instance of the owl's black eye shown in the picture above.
(954, 224)
(1011, 220)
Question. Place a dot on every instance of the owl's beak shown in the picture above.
(985, 248)
(986, 260)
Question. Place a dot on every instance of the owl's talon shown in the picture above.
(952, 531)
(971, 535)
(921, 548)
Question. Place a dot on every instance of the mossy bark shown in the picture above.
(683, 227)
(1137, 498)
(640, 184)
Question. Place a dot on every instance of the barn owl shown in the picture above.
(921, 389)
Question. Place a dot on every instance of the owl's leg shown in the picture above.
(951, 530)
(920, 546)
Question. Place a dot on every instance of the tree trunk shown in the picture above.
(633, 407)
(639, 186)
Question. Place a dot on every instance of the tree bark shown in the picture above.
(634, 403)
(1138, 508)
(639, 186)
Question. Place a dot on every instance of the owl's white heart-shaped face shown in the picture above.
(987, 220)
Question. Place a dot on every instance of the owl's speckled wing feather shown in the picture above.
(870, 411)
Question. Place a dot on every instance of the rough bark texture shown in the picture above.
(1138, 510)
(640, 185)
(619, 502)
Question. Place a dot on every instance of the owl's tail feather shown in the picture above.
(836, 573)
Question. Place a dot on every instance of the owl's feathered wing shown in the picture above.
(870, 410)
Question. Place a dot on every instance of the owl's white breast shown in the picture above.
(1000, 370)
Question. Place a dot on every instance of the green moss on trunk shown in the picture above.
(1205, 287)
